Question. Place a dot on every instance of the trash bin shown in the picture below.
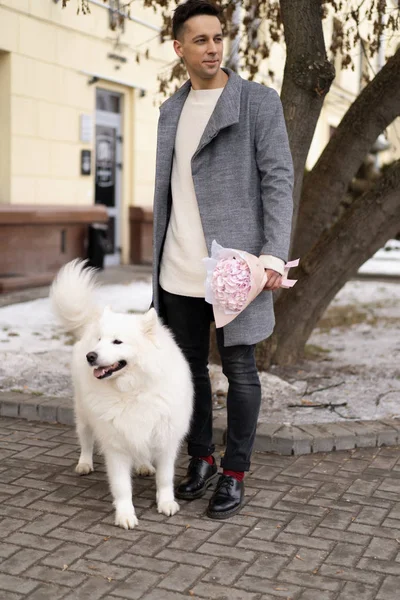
(97, 245)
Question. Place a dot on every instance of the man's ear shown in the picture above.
(150, 325)
(178, 48)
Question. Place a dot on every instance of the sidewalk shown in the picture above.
(316, 527)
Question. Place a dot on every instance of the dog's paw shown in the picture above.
(145, 471)
(126, 519)
(168, 508)
(83, 468)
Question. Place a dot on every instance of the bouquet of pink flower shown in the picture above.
(234, 279)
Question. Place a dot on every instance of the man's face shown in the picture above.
(201, 46)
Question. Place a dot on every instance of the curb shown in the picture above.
(277, 438)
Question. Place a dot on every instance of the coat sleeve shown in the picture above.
(275, 166)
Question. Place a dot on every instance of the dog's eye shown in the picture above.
(117, 342)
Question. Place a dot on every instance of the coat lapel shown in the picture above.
(169, 118)
(226, 112)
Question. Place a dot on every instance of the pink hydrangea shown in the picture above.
(231, 283)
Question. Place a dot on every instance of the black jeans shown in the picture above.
(189, 320)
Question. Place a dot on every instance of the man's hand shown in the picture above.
(274, 280)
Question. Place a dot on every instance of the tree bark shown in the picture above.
(364, 228)
(324, 187)
(307, 78)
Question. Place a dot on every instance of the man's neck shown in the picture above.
(219, 81)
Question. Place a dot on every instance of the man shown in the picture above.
(224, 172)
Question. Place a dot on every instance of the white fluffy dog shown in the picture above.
(133, 391)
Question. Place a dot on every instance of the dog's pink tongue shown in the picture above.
(99, 372)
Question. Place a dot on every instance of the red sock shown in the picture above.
(239, 475)
(209, 459)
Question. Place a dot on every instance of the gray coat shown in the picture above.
(243, 177)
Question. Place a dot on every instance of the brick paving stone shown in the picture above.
(109, 550)
(391, 523)
(385, 532)
(8, 525)
(228, 534)
(33, 541)
(93, 588)
(390, 589)
(309, 580)
(65, 555)
(267, 566)
(380, 566)
(190, 540)
(302, 524)
(363, 487)
(51, 575)
(183, 577)
(12, 596)
(220, 592)
(189, 558)
(302, 540)
(158, 565)
(7, 549)
(160, 594)
(337, 519)
(318, 595)
(227, 552)
(382, 549)
(49, 592)
(151, 544)
(305, 509)
(265, 498)
(340, 572)
(18, 513)
(265, 530)
(102, 530)
(275, 588)
(98, 568)
(10, 583)
(21, 561)
(226, 571)
(136, 585)
(307, 560)
(357, 591)
(333, 535)
(345, 554)
(371, 515)
(26, 497)
(44, 524)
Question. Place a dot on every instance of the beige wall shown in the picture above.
(48, 55)
(5, 118)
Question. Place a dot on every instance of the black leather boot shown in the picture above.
(227, 499)
(199, 477)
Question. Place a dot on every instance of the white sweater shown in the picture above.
(182, 270)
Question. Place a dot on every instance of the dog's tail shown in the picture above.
(72, 296)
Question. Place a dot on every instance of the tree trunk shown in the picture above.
(307, 78)
(324, 187)
(371, 220)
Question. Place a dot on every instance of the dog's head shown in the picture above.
(121, 341)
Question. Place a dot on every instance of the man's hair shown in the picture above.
(190, 9)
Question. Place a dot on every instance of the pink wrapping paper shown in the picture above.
(249, 284)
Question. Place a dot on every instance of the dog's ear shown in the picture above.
(150, 325)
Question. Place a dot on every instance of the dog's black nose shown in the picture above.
(91, 357)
